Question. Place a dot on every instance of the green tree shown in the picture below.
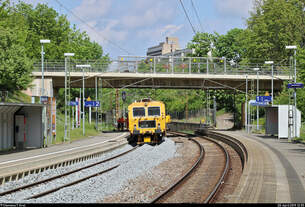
(229, 46)
(273, 25)
(202, 43)
(15, 66)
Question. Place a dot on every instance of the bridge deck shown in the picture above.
(164, 80)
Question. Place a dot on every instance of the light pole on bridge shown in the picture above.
(42, 70)
(272, 95)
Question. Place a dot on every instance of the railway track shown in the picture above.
(28, 186)
(13, 170)
(202, 184)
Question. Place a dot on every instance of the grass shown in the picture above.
(76, 133)
(302, 135)
(187, 131)
(221, 112)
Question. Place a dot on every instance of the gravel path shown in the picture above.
(90, 191)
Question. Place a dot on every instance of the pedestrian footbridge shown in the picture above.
(159, 72)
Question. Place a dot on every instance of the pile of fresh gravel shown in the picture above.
(132, 165)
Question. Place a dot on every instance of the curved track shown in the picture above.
(199, 184)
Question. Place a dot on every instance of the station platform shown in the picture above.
(13, 156)
(274, 173)
(17, 164)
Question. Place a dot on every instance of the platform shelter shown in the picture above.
(280, 121)
(21, 126)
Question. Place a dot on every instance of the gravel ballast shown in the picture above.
(132, 165)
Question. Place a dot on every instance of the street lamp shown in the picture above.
(82, 67)
(294, 47)
(257, 89)
(42, 53)
(271, 62)
(67, 55)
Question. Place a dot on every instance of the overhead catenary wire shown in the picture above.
(197, 15)
(93, 29)
(185, 12)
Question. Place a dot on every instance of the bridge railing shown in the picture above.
(166, 65)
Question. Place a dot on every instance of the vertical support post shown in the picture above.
(116, 104)
(89, 114)
(295, 94)
(80, 108)
(136, 66)
(234, 110)
(215, 108)
(101, 105)
(207, 65)
(246, 105)
(207, 109)
(257, 111)
(76, 112)
(96, 99)
(65, 137)
(83, 102)
(42, 70)
(199, 66)
(190, 65)
(272, 85)
(72, 117)
(154, 64)
(225, 65)
(172, 64)
(186, 108)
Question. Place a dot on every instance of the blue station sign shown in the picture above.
(73, 103)
(263, 98)
(255, 103)
(43, 99)
(295, 85)
(92, 104)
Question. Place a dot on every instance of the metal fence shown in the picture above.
(165, 64)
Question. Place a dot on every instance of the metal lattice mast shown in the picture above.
(116, 104)
(68, 96)
(100, 109)
(252, 94)
(290, 106)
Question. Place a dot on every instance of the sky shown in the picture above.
(129, 27)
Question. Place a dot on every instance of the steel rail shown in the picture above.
(194, 166)
(212, 194)
(72, 183)
(223, 175)
(64, 174)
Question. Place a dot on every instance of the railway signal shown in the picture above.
(124, 96)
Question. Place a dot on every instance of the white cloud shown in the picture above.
(148, 13)
(92, 9)
(159, 34)
(233, 8)
(102, 35)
